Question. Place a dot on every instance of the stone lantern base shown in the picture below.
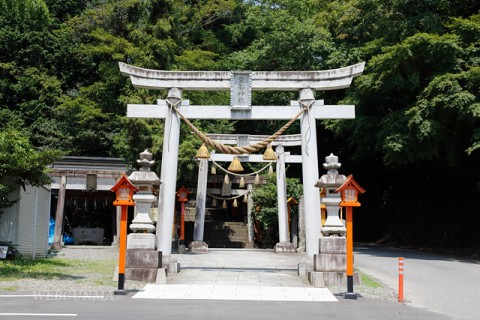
(284, 247)
(141, 241)
(144, 262)
(330, 265)
(144, 265)
(198, 247)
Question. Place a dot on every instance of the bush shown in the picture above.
(265, 210)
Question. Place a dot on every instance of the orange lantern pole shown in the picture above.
(182, 194)
(350, 190)
(124, 198)
(289, 209)
(349, 221)
(182, 223)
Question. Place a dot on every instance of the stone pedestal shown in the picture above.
(304, 269)
(284, 247)
(326, 279)
(330, 265)
(198, 247)
(171, 265)
(182, 249)
(141, 241)
(143, 265)
(143, 261)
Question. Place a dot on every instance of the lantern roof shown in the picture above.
(332, 179)
(123, 182)
(182, 194)
(350, 182)
(144, 175)
(292, 200)
(183, 189)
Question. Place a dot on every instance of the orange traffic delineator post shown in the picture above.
(400, 280)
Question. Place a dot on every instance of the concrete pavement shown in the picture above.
(246, 274)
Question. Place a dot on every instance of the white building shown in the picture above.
(25, 224)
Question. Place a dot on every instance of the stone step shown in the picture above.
(226, 234)
(233, 244)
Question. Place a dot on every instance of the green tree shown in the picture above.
(265, 209)
(21, 164)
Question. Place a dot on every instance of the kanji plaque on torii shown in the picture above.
(241, 90)
(306, 82)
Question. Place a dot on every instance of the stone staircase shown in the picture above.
(217, 233)
(226, 234)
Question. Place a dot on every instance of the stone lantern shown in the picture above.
(144, 262)
(329, 265)
(144, 180)
(330, 182)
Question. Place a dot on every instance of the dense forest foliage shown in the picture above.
(415, 142)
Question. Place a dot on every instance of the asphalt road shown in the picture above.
(123, 307)
(443, 284)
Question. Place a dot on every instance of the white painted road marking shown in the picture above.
(231, 292)
(52, 296)
(40, 314)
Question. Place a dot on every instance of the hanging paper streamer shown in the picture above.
(257, 179)
(227, 179)
(224, 204)
(242, 183)
(214, 202)
(214, 169)
(235, 203)
(245, 198)
(270, 170)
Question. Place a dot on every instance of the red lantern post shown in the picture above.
(182, 195)
(124, 192)
(350, 190)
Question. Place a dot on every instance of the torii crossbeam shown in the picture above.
(240, 85)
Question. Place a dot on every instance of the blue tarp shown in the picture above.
(67, 239)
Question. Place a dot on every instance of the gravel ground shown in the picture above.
(99, 280)
(379, 293)
(83, 281)
(89, 253)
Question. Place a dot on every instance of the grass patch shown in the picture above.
(369, 282)
(57, 268)
(9, 288)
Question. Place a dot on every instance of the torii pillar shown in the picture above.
(311, 196)
(166, 203)
(284, 244)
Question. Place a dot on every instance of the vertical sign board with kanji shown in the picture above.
(241, 90)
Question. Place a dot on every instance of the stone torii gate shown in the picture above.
(283, 157)
(240, 84)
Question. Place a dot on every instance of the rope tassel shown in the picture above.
(242, 183)
(235, 203)
(224, 204)
(270, 171)
(257, 180)
(245, 198)
(214, 203)
(226, 180)
(214, 169)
